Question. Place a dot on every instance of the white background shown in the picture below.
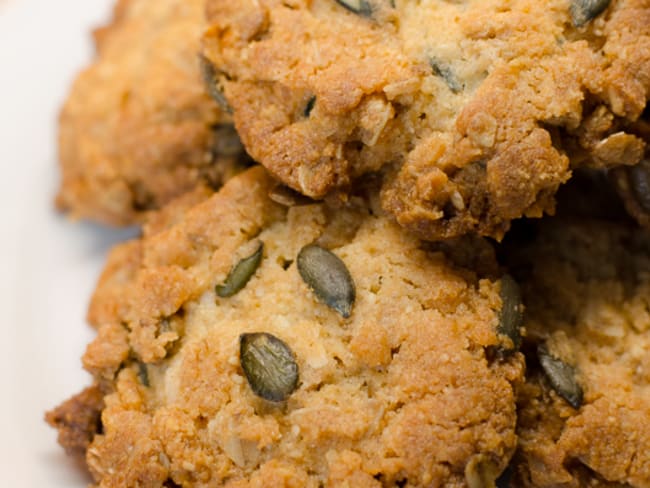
(48, 265)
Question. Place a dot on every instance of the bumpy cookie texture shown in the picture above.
(138, 127)
(463, 104)
(584, 415)
(125, 259)
(78, 420)
(407, 391)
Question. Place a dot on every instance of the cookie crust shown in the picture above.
(138, 127)
(381, 397)
(461, 104)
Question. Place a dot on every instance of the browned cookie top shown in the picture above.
(463, 104)
(584, 413)
(258, 345)
(138, 127)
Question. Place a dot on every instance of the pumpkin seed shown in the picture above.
(240, 274)
(269, 365)
(143, 373)
(561, 376)
(309, 106)
(326, 274)
(511, 317)
(639, 179)
(582, 11)
(211, 75)
(443, 70)
(481, 472)
(361, 7)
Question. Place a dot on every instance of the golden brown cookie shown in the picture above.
(138, 127)
(463, 104)
(257, 344)
(584, 413)
(78, 420)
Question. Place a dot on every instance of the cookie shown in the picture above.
(138, 127)
(124, 260)
(633, 182)
(584, 413)
(78, 420)
(463, 105)
(259, 344)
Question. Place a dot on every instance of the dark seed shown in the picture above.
(361, 7)
(561, 376)
(310, 106)
(639, 179)
(211, 79)
(269, 366)
(328, 277)
(480, 472)
(582, 11)
(441, 69)
(240, 274)
(512, 312)
(143, 374)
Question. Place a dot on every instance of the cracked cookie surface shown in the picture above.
(463, 105)
(138, 127)
(406, 391)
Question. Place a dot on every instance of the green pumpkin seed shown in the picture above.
(360, 7)
(639, 179)
(511, 317)
(561, 376)
(583, 11)
(269, 365)
(443, 70)
(481, 472)
(240, 274)
(310, 106)
(326, 274)
(143, 373)
(211, 75)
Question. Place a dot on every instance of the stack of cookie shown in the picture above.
(349, 273)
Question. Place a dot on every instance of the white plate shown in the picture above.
(48, 265)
